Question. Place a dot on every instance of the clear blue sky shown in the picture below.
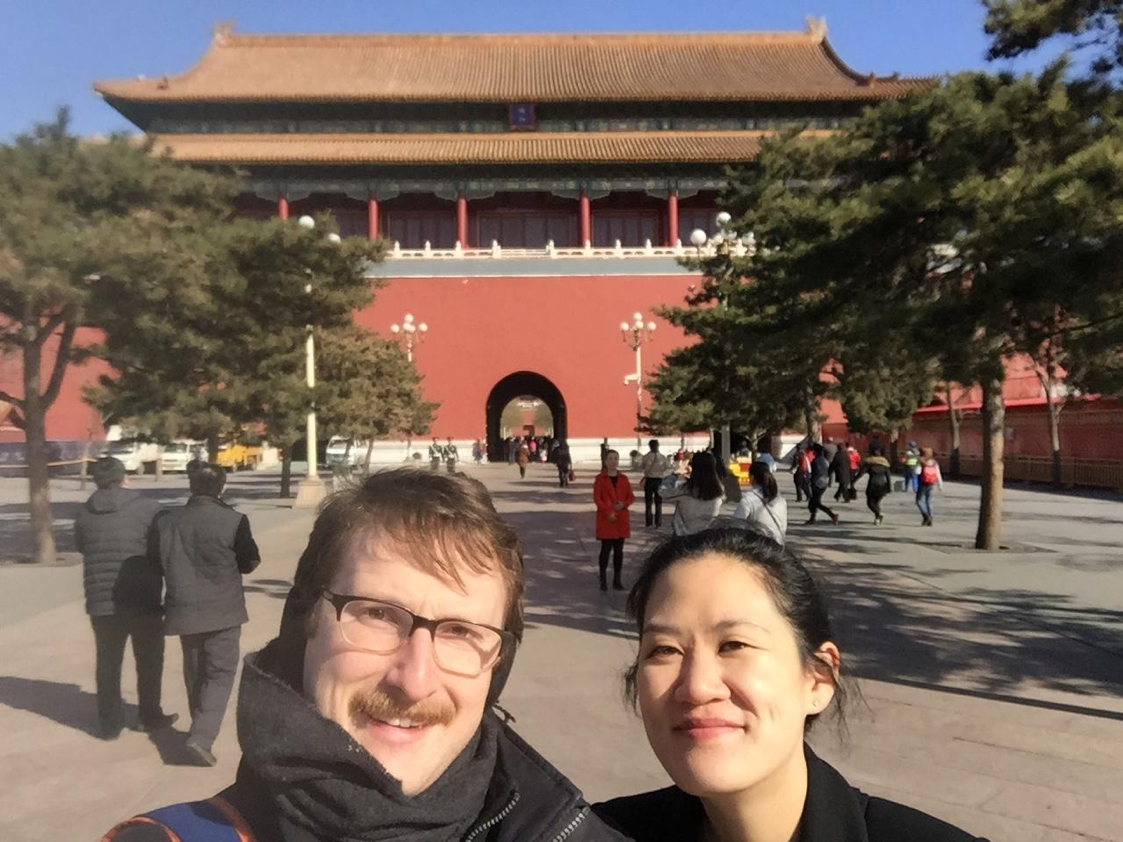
(51, 51)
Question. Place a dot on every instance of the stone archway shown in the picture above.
(513, 386)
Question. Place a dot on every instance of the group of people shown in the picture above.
(374, 713)
(538, 448)
(446, 453)
(151, 572)
(817, 466)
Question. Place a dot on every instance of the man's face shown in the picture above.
(413, 717)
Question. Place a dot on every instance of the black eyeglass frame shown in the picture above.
(340, 601)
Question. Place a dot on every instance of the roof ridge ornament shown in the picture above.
(222, 31)
(816, 27)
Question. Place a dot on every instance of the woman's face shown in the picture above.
(611, 461)
(722, 687)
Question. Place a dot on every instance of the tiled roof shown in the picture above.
(755, 66)
(491, 148)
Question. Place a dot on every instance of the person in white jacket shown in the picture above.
(762, 508)
(699, 499)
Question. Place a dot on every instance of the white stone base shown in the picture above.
(310, 493)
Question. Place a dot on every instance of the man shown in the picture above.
(801, 467)
(908, 464)
(369, 716)
(452, 455)
(436, 454)
(123, 587)
(840, 467)
(205, 547)
(820, 481)
(654, 469)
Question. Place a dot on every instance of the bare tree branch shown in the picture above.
(12, 399)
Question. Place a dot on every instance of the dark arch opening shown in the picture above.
(516, 385)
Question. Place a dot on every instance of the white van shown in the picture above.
(337, 453)
(179, 453)
(134, 454)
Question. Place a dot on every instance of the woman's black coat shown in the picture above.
(834, 812)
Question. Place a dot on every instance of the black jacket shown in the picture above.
(205, 547)
(834, 812)
(112, 533)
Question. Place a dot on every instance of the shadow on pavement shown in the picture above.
(66, 704)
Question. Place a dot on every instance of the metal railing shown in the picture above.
(497, 252)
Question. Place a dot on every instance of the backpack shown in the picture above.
(929, 474)
(212, 820)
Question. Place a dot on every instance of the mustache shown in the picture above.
(380, 705)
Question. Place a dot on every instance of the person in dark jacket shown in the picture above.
(122, 584)
(880, 483)
(564, 463)
(820, 481)
(728, 680)
(205, 547)
(370, 716)
(840, 467)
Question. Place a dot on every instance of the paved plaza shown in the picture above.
(991, 685)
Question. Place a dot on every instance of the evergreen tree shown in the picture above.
(1021, 26)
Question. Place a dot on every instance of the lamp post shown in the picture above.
(725, 241)
(311, 489)
(413, 334)
(635, 335)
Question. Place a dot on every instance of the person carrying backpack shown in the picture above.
(927, 477)
(880, 479)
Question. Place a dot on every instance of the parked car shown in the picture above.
(338, 454)
(235, 456)
(136, 455)
(179, 453)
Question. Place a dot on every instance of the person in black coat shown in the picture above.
(728, 680)
(122, 584)
(205, 547)
(840, 467)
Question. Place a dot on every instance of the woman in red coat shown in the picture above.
(613, 494)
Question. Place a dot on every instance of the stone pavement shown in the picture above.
(990, 684)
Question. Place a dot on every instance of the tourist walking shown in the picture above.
(761, 507)
(928, 477)
(880, 481)
(477, 451)
(840, 467)
(612, 494)
(911, 460)
(123, 589)
(523, 458)
(564, 463)
(654, 469)
(699, 499)
(801, 468)
(205, 547)
(452, 456)
(820, 481)
(855, 464)
(436, 454)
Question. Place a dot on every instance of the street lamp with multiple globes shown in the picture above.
(413, 334)
(635, 335)
(311, 489)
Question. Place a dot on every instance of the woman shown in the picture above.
(928, 476)
(564, 463)
(880, 472)
(523, 458)
(820, 480)
(761, 507)
(612, 494)
(699, 498)
(728, 679)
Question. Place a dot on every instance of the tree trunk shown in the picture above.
(894, 450)
(366, 459)
(953, 420)
(286, 471)
(1048, 378)
(38, 472)
(990, 502)
(811, 420)
(158, 474)
(212, 447)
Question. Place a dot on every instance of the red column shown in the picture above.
(372, 217)
(672, 217)
(283, 207)
(586, 216)
(462, 219)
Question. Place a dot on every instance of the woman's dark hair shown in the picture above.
(763, 479)
(791, 586)
(704, 482)
(877, 448)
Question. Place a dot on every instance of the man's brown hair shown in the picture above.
(447, 522)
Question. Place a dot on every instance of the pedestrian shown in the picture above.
(477, 452)
(855, 463)
(880, 480)
(603, 452)
(654, 469)
(436, 455)
(820, 481)
(533, 446)
(840, 467)
(768, 459)
(909, 463)
(563, 462)
(928, 477)
(374, 713)
(523, 459)
(830, 450)
(761, 507)
(123, 588)
(508, 450)
(205, 547)
(612, 493)
(452, 456)
(801, 467)
(699, 499)
(735, 663)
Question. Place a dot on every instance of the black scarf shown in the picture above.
(324, 785)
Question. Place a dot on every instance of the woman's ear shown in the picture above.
(823, 673)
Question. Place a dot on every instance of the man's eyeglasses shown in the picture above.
(459, 646)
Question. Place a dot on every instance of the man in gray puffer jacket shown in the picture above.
(123, 586)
